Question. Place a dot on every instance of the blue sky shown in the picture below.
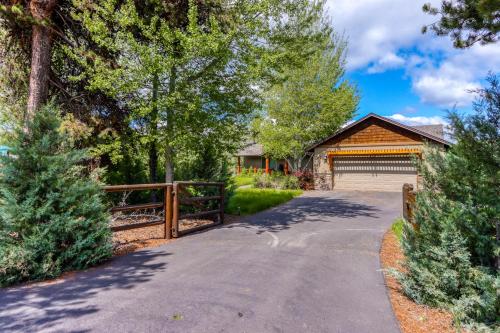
(400, 72)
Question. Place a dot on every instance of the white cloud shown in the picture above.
(444, 91)
(378, 27)
(418, 120)
(451, 81)
(389, 61)
(386, 34)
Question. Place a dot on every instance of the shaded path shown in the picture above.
(310, 265)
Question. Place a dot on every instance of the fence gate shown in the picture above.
(181, 201)
(200, 199)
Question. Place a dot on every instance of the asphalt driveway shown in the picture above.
(310, 265)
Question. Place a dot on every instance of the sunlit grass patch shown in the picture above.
(252, 200)
(242, 180)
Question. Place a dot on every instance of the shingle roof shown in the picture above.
(251, 149)
(436, 130)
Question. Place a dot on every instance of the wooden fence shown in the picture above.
(409, 200)
(182, 197)
(174, 196)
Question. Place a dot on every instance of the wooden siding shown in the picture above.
(374, 131)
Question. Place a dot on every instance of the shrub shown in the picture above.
(451, 254)
(276, 180)
(52, 216)
(263, 181)
(291, 183)
(306, 179)
(438, 268)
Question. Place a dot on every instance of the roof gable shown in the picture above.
(251, 149)
(373, 129)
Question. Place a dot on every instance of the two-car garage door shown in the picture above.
(373, 173)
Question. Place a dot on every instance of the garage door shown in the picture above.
(373, 173)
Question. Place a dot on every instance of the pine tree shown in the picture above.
(52, 215)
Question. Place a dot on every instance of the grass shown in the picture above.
(252, 200)
(242, 180)
(397, 228)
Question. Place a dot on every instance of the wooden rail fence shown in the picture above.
(174, 196)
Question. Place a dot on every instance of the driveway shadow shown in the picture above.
(41, 306)
(319, 209)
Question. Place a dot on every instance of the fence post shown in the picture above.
(405, 201)
(409, 197)
(175, 211)
(167, 206)
(221, 204)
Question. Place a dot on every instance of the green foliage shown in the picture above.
(52, 216)
(153, 80)
(466, 21)
(397, 228)
(207, 162)
(14, 75)
(310, 104)
(470, 173)
(251, 200)
(438, 268)
(188, 72)
(451, 255)
(277, 180)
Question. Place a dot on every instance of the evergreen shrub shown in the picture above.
(52, 216)
(452, 254)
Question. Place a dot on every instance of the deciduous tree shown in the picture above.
(312, 102)
(191, 70)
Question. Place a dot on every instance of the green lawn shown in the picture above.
(242, 180)
(252, 200)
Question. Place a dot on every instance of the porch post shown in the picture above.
(238, 170)
(267, 165)
(286, 167)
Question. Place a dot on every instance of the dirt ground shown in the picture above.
(412, 317)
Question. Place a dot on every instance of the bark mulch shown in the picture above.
(412, 317)
(127, 241)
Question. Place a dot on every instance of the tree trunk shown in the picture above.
(169, 165)
(153, 166)
(169, 151)
(153, 146)
(41, 44)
